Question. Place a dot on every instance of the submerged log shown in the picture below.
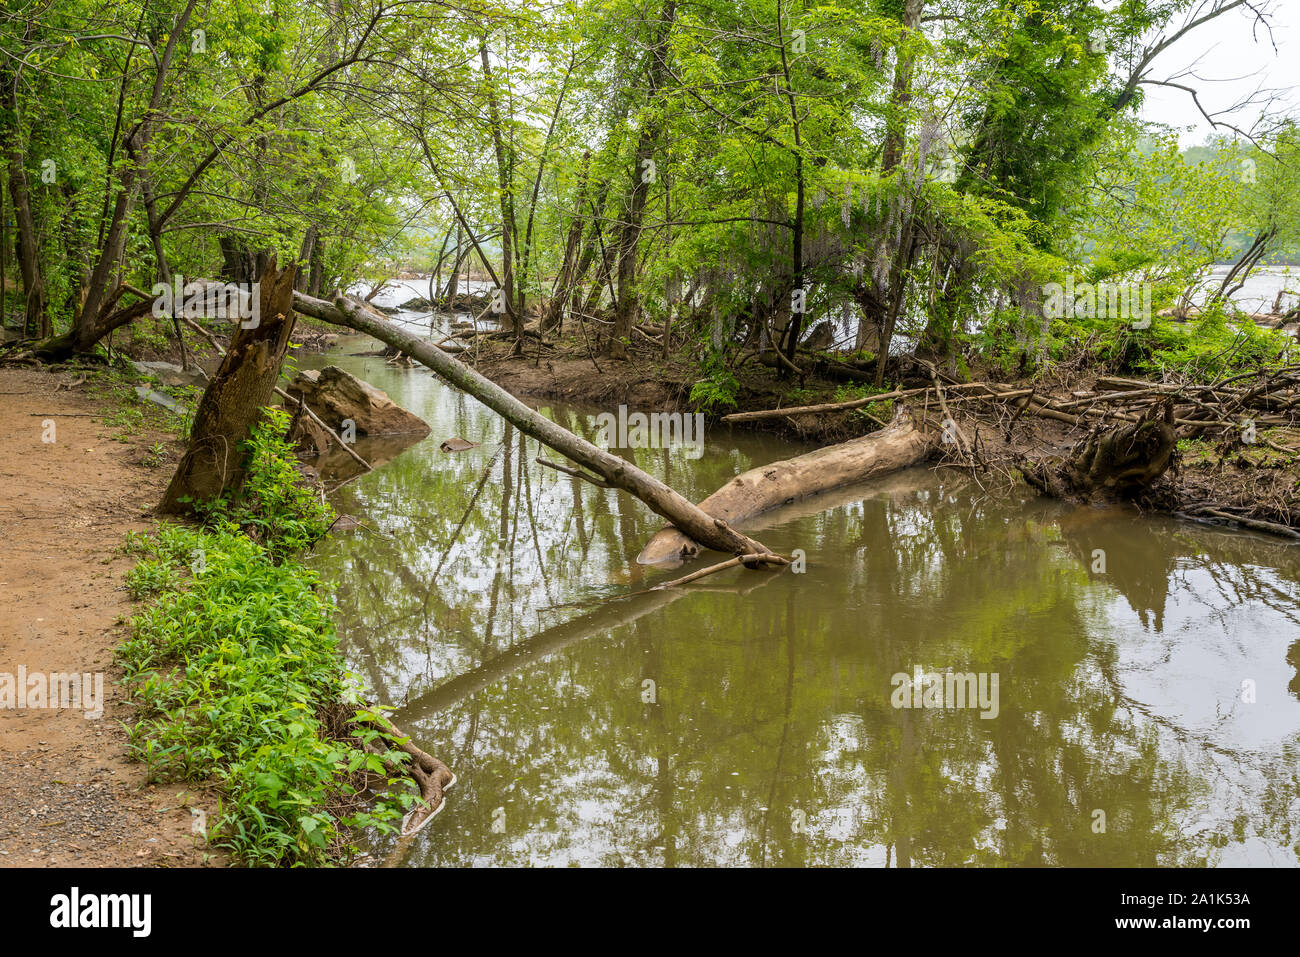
(770, 486)
(707, 529)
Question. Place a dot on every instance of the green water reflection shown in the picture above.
(747, 720)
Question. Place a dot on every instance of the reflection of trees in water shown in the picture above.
(1145, 562)
(772, 690)
(1138, 563)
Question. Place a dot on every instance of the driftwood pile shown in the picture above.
(1129, 434)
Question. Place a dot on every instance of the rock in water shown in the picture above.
(457, 444)
(338, 396)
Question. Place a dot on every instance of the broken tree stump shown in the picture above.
(233, 401)
(1117, 461)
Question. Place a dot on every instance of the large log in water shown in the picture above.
(700, 526)
(759, 490)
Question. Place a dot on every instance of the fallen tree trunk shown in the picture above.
(770, 486)
(712, 531)
(842, 406)
(815, 409)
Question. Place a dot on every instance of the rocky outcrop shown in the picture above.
(339, 397)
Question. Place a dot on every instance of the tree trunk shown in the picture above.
(897, 292)
(233, 402)
(316, 268)
(453, 281)
(236, 259)
(627, 302)
(35, 322)
(96, 318)
(505, 193)
(900, 98)
(553, 318)
(664, 501)
(305, 253)
(795, 328)
(770, 486)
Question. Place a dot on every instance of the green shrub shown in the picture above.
(718, 390)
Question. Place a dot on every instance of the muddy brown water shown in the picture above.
(1147, 707)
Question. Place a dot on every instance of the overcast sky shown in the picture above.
(1228, 50)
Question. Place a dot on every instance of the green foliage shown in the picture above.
(851, 391)
(156, 455)
(1014, 157)
(1211, 348)
(1215, 344)
(235, 669)
(274, 506)
(149, 577)
(716, 391)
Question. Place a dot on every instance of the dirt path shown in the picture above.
(68, 794)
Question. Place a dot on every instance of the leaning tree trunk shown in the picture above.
(1119, 461)
(709, 530)
(234, 399)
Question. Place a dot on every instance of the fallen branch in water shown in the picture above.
(1257, 524)
(574, 472)
(749, 561)
(618, 472)
(770, 486)
(831, 406)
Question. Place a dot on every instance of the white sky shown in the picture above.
(1227, 51)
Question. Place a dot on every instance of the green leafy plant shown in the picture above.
(237, 674)
(717, 390)
(235, 667)
(274, 506)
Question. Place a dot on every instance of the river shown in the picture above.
(1147, 708)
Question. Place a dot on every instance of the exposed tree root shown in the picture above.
(1117, 460)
